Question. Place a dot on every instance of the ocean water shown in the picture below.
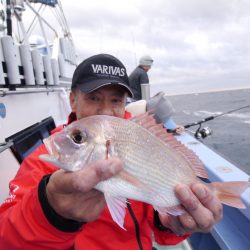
(231, 132)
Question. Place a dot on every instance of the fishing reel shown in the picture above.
(202, 133)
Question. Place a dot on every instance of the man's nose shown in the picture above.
(105, 109)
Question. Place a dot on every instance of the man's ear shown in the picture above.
(72, 99)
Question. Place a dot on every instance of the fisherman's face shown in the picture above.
(107, 100)
(146, 68)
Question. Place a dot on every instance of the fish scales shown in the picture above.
(133, 144)
(154, 154)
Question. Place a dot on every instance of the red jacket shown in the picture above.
(25, 222)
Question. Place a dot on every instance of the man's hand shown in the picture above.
(72, 194)
(203, 210)
(179, 129)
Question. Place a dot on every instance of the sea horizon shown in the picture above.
(231, 137)
(171, 90)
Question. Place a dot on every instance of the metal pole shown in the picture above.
(30, 6)
(18, 17)
(145, 91)
(8, 18)
(4, 93)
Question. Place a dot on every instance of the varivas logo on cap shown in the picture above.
(108, 70)
(100, 70)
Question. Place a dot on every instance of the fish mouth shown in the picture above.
(54, 161)
(48, 158)
(52, 156)
(50, 147)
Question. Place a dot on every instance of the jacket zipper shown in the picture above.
(137, 228)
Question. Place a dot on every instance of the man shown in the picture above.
(49, 208)
(139, 76)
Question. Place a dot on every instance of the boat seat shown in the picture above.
(27, 140)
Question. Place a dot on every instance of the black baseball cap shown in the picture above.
(98, 71)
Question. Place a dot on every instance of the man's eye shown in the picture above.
(94, 98)
(78, 137)
(116, 101)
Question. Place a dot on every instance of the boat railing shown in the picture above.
(22, 66)
(233, 231)
(4, 92)
(28, 58)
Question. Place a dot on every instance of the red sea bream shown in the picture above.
(154, 162)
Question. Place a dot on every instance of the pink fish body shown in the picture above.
(154, 161)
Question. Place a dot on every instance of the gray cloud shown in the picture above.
(193, 42)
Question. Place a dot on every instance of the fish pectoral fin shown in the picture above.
(117, 208)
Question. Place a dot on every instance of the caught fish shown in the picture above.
(154, 162)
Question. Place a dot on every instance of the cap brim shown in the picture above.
(90, 86)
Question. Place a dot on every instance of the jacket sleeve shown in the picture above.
(24, 225)
(143, 77)
(162, 235)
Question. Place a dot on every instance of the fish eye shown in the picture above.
(78, 137)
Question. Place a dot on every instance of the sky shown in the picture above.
(197, 45)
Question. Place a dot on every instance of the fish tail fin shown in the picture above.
(229, 192)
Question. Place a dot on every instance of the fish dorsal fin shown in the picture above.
(147, 121)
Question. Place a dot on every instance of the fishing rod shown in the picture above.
(202, 133)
